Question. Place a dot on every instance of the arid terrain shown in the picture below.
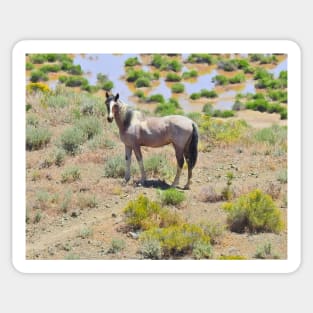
(75, 207)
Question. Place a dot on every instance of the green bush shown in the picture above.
(195, 116)
(132, 61)
(169, 108)
(202, 250)
(108, 85)
(37, 75)
(75, 81)
(274, 135)
(195, 96)
(200, 58)
(37, 58)
(117, 245)
(75, 70)
(223, 113)
(190, 74)
(220, 80)
(115, 167)
(151, 249)
(50, 68)
(36, 137)
(159, 61)
(177, 240)
(171, 196)
(144, 214)
(142, 82)
(172, 77)
(278, 95)
(228, 65)
(70, 174)
(29, 66)
(71, 140)
(178, 88)
(174, 65)
(255, 212)
(266, 252)
(239, 78)
(89, 125)
(208, 109)
(156, 98)
(158, 164)
(208, 93)
(140, 94)
(282, 176)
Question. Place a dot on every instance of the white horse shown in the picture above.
(136, 130)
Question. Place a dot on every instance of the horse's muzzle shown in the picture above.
(110, 119)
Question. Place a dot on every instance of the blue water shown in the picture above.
(113, 67)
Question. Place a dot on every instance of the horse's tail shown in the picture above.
(193, 147)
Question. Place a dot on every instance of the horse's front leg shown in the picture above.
(128, 159)
(138, 154)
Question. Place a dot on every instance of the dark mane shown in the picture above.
(128, 118)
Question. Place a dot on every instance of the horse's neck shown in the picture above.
(121, 115)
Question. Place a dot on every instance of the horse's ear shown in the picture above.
(107, 94)
(116, 97)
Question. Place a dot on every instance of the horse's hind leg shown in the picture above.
(187, 157)
(138, 154)
(180, 164)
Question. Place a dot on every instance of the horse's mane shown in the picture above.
(127, 114)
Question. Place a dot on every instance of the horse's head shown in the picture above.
(112, 105)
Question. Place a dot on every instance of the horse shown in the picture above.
(136, 130)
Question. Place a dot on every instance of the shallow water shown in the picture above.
(113, 67)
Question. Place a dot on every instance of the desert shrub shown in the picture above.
(89, 125)
(159, 61)
(228, 65)
(108, 85)
(156, 98)
(29, 66)
(151, 249)
(216, 131)
(75, 70)
(114, 167)
(116, 245)
(178, 88)
(174, 65)
(42, 199)
(47, 68)
(34, 87)
(59, 156)
(208, 194)
(213, 230)
(220, 80)
(158, 164)
(255, 212)
(177, 240)
(208, 109)
(38, 75)
(71, 140)
(142, 213)
(238, 106)
(239, 78)
(200, 58)
(70, 174)
(195, 96)
(140, 94)
(170, 107)
(268, 59)
(202, 250)
(266, 252)
(76, 81)
(142, 82)
(66, 201)
(208, 93)
(132, 61)
(37, 137)
(171, 196)
(278, 95)
(85, 233)
(274, 135)
(190, 74)
(37, 58)
(282, 176)
(87, 201)
(223, 113)
(172, 77)
(227, 192)
(195, 116)
(32, 120)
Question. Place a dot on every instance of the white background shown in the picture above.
(154, 20)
